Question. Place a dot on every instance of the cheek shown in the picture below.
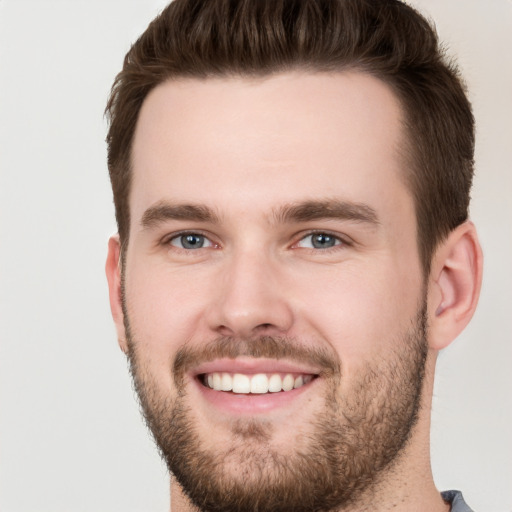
(160, 309)
(359, 307)
(166, 304)
(361, 312)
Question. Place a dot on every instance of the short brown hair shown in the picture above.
(384, 38)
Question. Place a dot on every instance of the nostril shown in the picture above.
(265, 328)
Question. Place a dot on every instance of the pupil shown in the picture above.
(323, 241)
(192, 241)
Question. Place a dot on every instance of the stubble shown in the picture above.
(343, 451)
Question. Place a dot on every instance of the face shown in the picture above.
(273, 297)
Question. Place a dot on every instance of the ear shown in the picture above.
(454, 285)
(113, 271)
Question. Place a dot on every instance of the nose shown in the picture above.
(251, 298)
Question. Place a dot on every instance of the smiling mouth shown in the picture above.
(259, 383)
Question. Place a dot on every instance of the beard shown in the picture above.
(340, 456)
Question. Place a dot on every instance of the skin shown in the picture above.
(246, 148)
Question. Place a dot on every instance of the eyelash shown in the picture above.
(167, 241)
(340, 242)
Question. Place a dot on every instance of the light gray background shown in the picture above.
(70, 432)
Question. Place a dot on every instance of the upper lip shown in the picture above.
(251, 365)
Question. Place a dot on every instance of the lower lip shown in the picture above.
(238, 403)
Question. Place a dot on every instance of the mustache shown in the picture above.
(271, 347)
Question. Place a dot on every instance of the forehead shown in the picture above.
(221, 141)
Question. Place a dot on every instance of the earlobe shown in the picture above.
(113, 271)
(456, 278)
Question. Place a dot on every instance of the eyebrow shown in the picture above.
(164, 211)
(295, 212)
(326, 209)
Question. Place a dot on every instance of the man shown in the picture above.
(291, 181)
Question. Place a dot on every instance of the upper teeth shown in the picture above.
(258, 383)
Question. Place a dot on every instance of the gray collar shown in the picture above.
(456, 501)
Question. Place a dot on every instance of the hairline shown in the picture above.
(405, 149)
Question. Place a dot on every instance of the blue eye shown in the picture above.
(319, 241)
(190, 241)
